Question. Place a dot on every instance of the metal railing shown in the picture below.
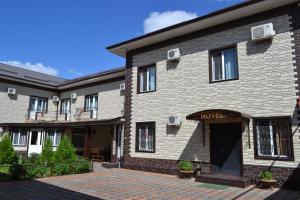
(41, 115)
(86, 113)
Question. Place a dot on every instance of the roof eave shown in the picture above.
(238, 11)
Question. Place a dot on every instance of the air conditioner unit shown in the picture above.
(262, 32)
(55, 98)
(74, 96)
(122, 86)
(11, 91)
(174, 121)
(174, 54)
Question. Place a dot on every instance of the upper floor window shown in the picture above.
(19, 136)
(38, 104)
(65, 106)
(91, 102)
(54, 135)
(273, 138)
(146, 79)
(224, 65)
(145, 138)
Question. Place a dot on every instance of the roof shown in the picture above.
(222, 16)
(25, 74)
(13, 73)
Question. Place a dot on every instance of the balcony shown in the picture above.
(82, 114)
(38, 115)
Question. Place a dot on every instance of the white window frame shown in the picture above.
(141, 88)
(19, 136)
(223, 65)
(271, 142)
(56, 132)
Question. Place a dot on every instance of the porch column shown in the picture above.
(87, 139)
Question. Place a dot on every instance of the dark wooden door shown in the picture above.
(225, 148)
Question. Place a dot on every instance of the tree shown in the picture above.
(47, 152)
(7, 152)
(65, 152)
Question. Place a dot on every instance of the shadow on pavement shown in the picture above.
(33, 189)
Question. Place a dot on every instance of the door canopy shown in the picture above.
(217, 114)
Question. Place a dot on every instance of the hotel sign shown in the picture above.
(211, 116)
(215, 114)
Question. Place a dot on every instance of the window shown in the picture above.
(55, 136)
(65, 106)
(224, 65)
(145, 138)
(273, 138)
(20, 137)
(78, 139)
(91, 102)
(146, 79)
(38, 104)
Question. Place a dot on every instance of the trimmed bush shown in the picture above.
(65, 152)
(185, 165)
(7, 152)
(267, 175)
(82, 166)
(46, 157)
(33, 171)
(17, 171)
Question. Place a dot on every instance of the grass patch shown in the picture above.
(4, 174)
(214, 186)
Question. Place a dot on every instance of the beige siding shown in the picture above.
(266, 87)
(14, 109)
(110, 99)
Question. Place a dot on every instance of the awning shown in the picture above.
(217, 114)
(59, 124)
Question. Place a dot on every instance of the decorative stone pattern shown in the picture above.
(266, 87)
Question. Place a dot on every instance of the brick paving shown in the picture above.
(129, 184)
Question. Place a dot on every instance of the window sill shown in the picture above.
(141, 151)
(234, 79)
(19, 145)
(278, 158)
(146, 92)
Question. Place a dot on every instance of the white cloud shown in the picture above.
(38, 67)
(158, 20)
(71, 71)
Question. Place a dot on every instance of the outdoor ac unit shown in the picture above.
(55, 98)
(74, 96)
(262, 32)
(174, 121)
(11, 91)
(174, 54)
(122, 86)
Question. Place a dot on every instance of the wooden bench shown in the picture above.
(95, 154)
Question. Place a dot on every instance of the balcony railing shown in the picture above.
(41, 115)
(86, 113)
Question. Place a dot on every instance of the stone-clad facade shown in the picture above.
(267, 86)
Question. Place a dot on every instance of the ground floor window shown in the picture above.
(273, 138)
(19, 137)
(54, 135)
(145, 137)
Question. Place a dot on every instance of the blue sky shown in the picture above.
(68, 37)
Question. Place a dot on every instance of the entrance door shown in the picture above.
(225, 148)
(35, 141)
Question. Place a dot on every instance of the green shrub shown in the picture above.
(17, 171)
(65, 152)
(33, 171)
(33, 159)
(82, 166)
(46, 156)
(63, 168)
(267, 175)
(185, 165)
(7, 153)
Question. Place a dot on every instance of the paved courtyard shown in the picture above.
(130, 184)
